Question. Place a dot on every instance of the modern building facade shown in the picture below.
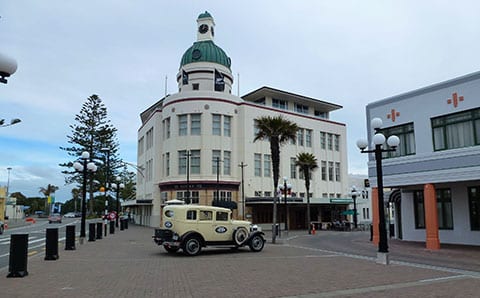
(197, 145)
(435, 173)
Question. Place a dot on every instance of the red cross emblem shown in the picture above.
(393, 114)
(455, 99)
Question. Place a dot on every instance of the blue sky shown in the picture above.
(346, 52)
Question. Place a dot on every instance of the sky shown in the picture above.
(349, 53)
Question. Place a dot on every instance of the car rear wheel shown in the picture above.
(256, 243)
(240, 236)
(192, 246)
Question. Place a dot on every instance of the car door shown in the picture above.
(222, 230)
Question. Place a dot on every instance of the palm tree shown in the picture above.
(47, 192)
(307, 162)
(277, 130)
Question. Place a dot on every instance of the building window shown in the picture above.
(226, 162)
(167, 164)
(456, 130)
(194, 197)
(330, 170)
(141, 144)
(195, 124)
(196, 86)
(257, 193)
(267, 194)
(195, 161)
(444, 206)
(260, 101)
(406, 135)
(258, 164)
(267, 164)
(300, 137)
(337, 171)
(150, 138)
(182, 125)
(323, 140)
(320, 114)
(474, 207)
(215, 156)
(308, 137)
(419, 209)
(324, 170)
(301, 108)
(216, 124)
(166, 128)
(182, 162)
(227, 121)
(280, 104)
(366, 213)
(336, 142)
(293, 168)
(149, 170)
(330, 141)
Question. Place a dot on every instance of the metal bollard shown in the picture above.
(99, 230)
(91, 231)
(70, 238)
(51, 244)
(126, 223)
(17, 266)
(122, 224)
(112, 227)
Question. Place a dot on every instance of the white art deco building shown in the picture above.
(197, 145)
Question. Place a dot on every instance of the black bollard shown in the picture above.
(99, 230)
(106, 228)
(122, 224)
(91, 231)
(17, 266)
(112, 227)
(70, 238)
(126, 224)
(51, 244)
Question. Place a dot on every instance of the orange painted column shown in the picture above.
(431, 217)
(375, 219)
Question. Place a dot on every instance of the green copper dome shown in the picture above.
(204, 15)
(205, 51)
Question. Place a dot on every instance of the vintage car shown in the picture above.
(191, 227)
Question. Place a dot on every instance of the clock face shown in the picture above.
(203, 28)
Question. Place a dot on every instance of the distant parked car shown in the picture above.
(69, 215)
(55, 217)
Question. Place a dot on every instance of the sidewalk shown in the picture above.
(129, 264)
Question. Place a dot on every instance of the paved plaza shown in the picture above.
(129, 264)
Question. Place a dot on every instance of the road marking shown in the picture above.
(31, 253)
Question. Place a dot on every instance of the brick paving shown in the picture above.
(129, 264)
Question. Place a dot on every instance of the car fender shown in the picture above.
(192, 233)
(256, 233)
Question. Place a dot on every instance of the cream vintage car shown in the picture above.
(191, 227)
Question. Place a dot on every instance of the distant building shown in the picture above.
(194, 145)
(435, 173)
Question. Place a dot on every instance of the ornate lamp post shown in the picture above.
(118, 186)
(8, 66)
(285, 188)
(354, 198)
(84, 166)
(378, 141)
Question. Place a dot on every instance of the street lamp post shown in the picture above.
(285, 188)
(354, 198)
(106, 150)
(378, 140)
(8, 66)
(118, 187)
(84, 166)
(217, 160)
(242, 165)
(187, 156)
(8, 181)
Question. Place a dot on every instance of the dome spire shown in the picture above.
(205, 27)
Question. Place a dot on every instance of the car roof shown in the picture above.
(194, 206)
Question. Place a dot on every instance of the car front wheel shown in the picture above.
(256, 243)
(192, 246)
